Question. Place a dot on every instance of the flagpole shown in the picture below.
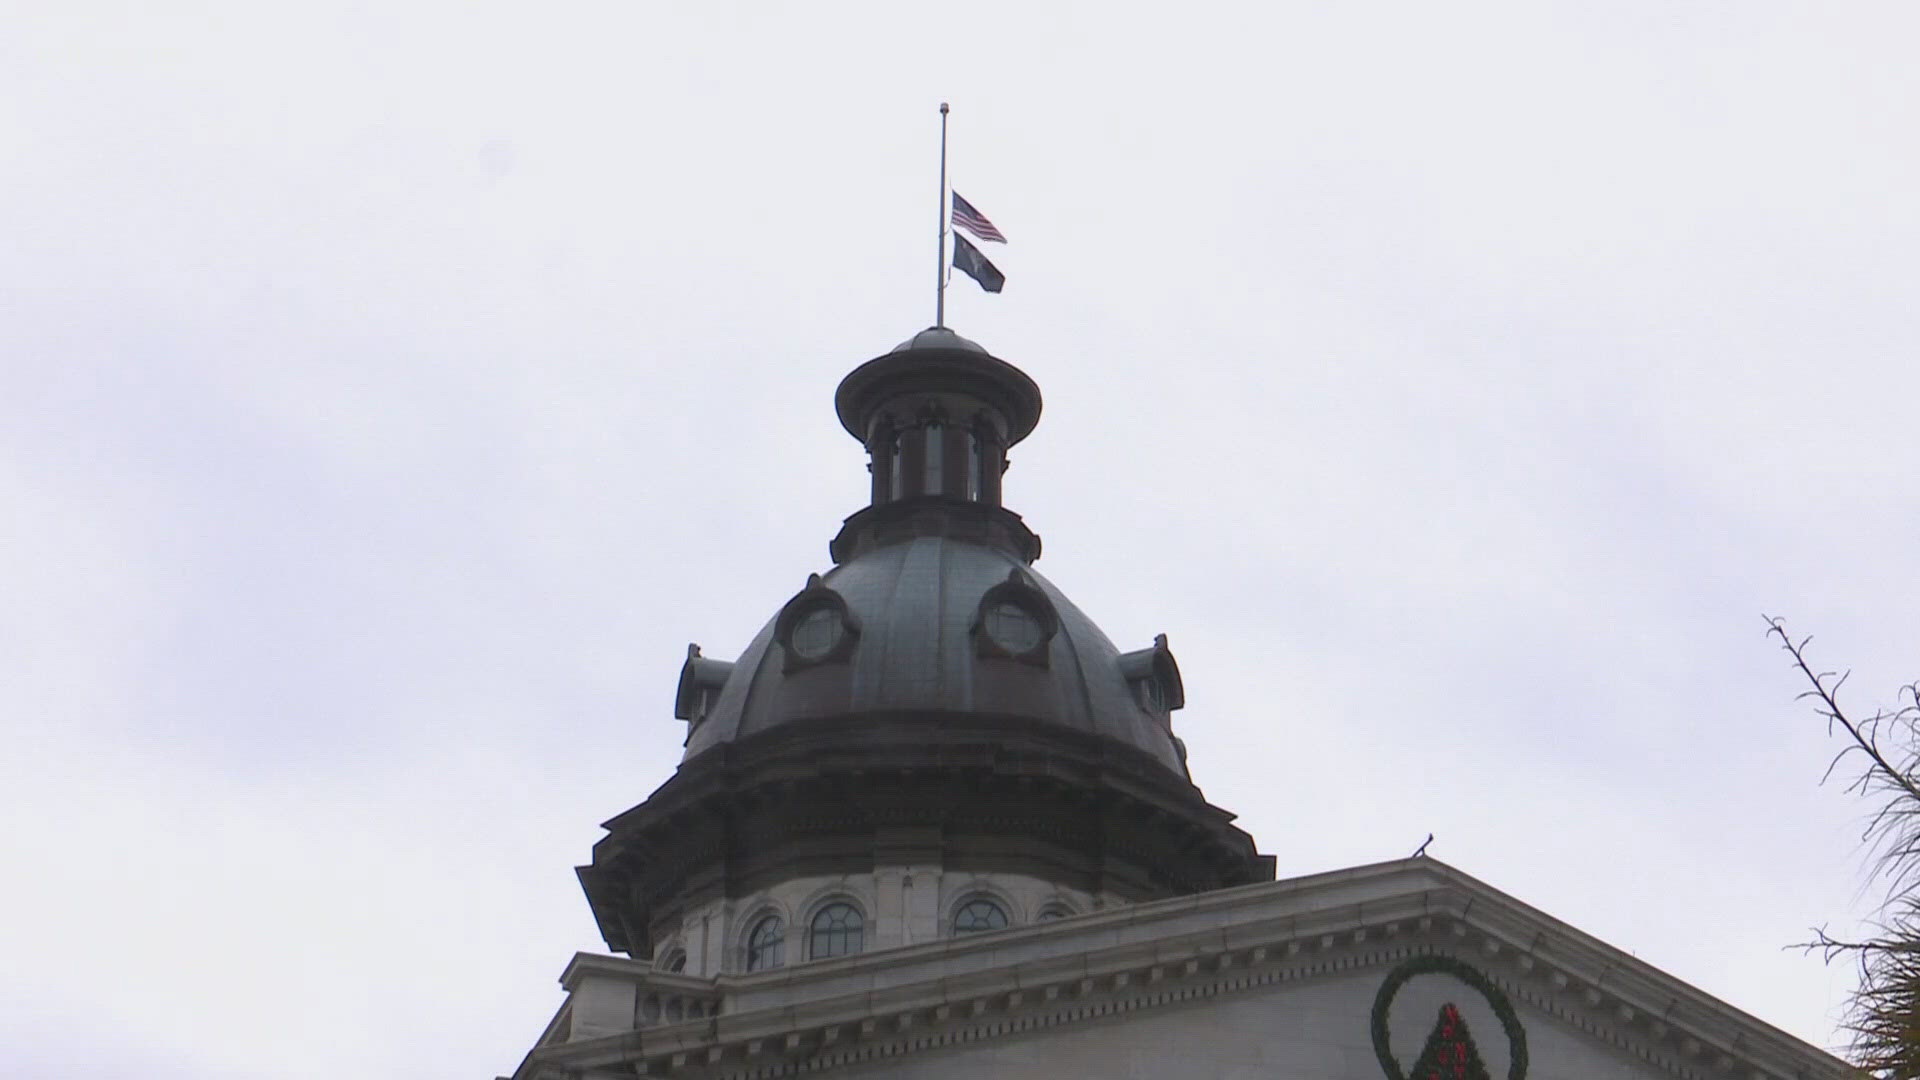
(940, 269)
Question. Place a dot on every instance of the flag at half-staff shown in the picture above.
(958, 214)
(975, 222)
(968, 260)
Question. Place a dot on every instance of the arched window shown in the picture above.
(676, 960)
(767, 945)
(837, 930)
(979, 914)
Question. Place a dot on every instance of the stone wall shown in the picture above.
(1314, 1029)
(904, 904)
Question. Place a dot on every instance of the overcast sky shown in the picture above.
(389, 392)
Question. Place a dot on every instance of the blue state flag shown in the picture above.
(968, 260)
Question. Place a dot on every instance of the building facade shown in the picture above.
(933, 823)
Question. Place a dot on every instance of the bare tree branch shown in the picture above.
(1884, 1015)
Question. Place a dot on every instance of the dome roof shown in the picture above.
(938, 337)
(903, 633)
(933, 364)
(930, 701)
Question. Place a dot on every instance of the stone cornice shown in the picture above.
(908, 1000)
(585, 965)
(810, 797)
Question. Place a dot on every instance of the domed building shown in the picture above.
(932, 822)
(929, 739)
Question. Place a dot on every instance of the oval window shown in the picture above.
(1013, 627)
(816, 633)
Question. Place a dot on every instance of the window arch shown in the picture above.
(837, 929)
(675, 960)
(978, 915)
(767, 944)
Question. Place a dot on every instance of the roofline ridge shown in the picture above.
(1439, 914)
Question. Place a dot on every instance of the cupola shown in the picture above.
(927, 739)
(937, 415)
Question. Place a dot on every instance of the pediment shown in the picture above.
(1407, 971)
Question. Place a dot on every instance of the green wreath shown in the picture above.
(1466, 973)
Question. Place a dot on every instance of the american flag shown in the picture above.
(975, 222)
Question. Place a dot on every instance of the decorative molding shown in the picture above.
(1074, 1001)
(1096, 999)
(1196, 948)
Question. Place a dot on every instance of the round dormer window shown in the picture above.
(815, 627)
(816, 633)
(1013, 627)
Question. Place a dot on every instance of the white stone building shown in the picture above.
(932, 823)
